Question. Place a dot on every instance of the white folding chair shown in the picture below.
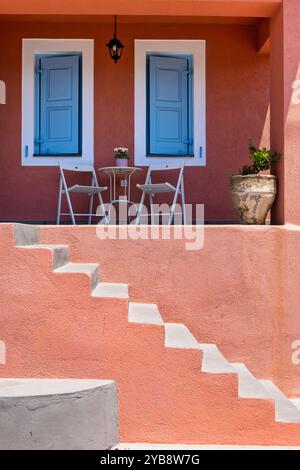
(151, 189)
(91, 191)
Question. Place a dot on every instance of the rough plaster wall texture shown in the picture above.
(53, 327)
(237, 292)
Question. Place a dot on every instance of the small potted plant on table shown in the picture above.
(121, 156)
(253, 194)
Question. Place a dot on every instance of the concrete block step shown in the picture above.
(60, 253)
(144, 313)
(25, 234)
(179, 336)
(90, 269)
(213, 360)
(296, 402)
(249, 386)
(58, 414)
(106, 289)
(285, 410)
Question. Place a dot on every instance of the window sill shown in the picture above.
(155, 155)
(55, 155)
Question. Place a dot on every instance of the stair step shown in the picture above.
(38, 414)
(296, 402)
(90, 269)
(285, 410)
(106, 289)
(60, 253)
(41, 245)
(179, 336)
(213, 360)
(25, 234)
(249, 386)
(144, 313)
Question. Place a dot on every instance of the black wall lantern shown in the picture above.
(115, 46)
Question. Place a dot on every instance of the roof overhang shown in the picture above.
(213, 8)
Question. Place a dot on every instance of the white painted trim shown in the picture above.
(2, 92)
(31, 47)
(2, 352)
(196, 48)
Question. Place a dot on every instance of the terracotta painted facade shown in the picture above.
(241, 86)
(240, 291)
(237, 80)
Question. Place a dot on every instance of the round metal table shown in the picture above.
(125, 173)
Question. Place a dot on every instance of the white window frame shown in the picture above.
(2, 92)
(31, 47)
(196, 48)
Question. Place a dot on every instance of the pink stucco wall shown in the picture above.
(285, 108)
(240, 291)
(237, 105)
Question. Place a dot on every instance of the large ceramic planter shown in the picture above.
(253, 197)
(122, 162)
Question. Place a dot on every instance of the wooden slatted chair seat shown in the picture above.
(77, 188)
(157, 188)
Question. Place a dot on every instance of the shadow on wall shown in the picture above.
(2, 92)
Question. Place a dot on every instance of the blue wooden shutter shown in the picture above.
(168, 116)
(59, 106)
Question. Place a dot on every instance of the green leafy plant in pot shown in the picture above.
(121, 156)
(252, 193)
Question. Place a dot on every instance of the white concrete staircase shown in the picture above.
(176, 335)
(213, 362)
(27, 236)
